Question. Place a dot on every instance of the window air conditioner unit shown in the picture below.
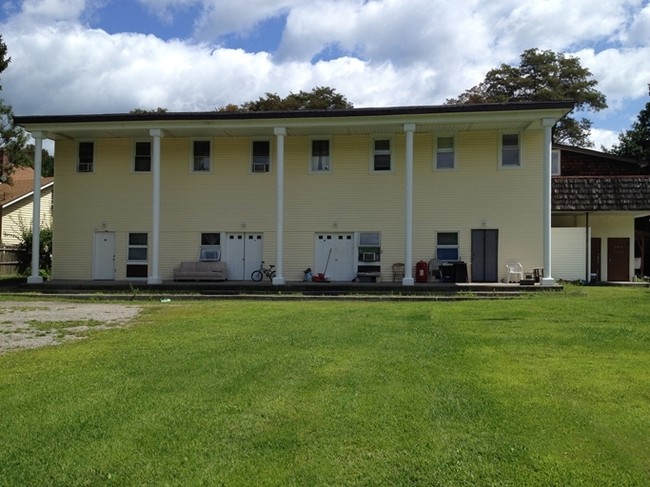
(210, 255)
(369, 257)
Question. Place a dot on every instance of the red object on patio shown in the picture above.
(421, 271)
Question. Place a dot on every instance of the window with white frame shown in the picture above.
(200, 155)
(320, 156)
(369, 249)
(86, 157)
(556, 168)
(261, 156)
(510, 150)
(210, 246)
(381, 156)
(447, 246)
(136, 264)
(142, 156)
(445, 152)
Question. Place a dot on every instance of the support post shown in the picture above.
(408, 280)
(154, 273)
(35, 277)
(278, 280)
(547, 279)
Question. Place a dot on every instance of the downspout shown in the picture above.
(35, 277)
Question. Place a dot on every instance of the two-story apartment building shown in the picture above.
(351, 191)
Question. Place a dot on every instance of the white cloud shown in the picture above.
(622, 74)
(638, 33)
(604, 138)
(54, 9)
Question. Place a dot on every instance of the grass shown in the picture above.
(544, 390)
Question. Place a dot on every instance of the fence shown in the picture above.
(9, 260)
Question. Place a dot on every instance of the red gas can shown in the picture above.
(421, 271)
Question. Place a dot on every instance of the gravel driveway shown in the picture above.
(30, 324)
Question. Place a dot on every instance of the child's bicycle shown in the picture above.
(258, 275)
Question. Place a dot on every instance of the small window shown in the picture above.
(381, 161)
(210, 246)
(261, 156)
(447, 246)
(201, 156)
(86, 161)
(369, 247)
(510, 156)
(445, 153)
(136, 265)
(320, 156)
(142, 157)
(556, 168)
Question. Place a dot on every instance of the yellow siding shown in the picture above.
(477, 194)
(20, 215)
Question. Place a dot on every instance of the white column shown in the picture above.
(154, 274)
(35, 277)
(280, 133)
(409, 128)
(547, 280)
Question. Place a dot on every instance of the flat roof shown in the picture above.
(293, 114)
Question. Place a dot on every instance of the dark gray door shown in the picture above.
(485, 255)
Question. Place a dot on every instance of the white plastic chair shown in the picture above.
(516, 270)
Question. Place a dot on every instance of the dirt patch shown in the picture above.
(37, 324)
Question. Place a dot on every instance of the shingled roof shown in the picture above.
(619, 193)
(22, 185)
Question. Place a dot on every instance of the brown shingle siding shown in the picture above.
(622, 193)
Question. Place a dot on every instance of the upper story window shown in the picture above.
(142, 157)
(510, 150)
(320, 156)
(261, 156)
(381, 157)
(445, 152)
(86, 157)
(201, 155)
(556, 167)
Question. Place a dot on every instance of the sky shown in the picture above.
(111, 56)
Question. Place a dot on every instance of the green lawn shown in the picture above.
(548, 390)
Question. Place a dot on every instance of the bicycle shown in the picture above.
(258, 275)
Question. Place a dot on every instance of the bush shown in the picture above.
(25, 257)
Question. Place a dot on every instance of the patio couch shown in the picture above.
(201, 271)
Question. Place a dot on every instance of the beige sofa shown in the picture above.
(201, 271)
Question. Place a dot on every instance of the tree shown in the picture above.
(635, 143)
(543, 76)
(47, 161)
(319, 98)
(142, 111)
(12, 138)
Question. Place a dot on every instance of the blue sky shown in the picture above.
(98, 56)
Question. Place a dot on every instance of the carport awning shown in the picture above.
(616, 193)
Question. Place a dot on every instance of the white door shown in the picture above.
(243, 254)
(104, 256)
(334, 256)
(252, 253)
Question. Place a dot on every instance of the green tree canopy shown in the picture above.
(543, 76)
(320, 98)
(12, 138)
(635, 142)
